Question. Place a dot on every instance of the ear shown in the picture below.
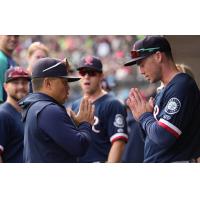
(47, 83)
(158, 56)
(102, 76)
(5, 85)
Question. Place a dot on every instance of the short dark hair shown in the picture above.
(169, 55)
(37, 84)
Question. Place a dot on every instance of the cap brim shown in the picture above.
(14, 78)
(134, 61)
(92, 68)
(71, 79)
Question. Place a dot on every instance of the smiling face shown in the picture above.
(8, 43)
(17, 88)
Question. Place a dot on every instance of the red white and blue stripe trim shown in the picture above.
(170, 128)
(119, 136)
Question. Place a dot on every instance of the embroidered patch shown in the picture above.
(173, 106)
(120, 130)
(119, 121)
(167, 117)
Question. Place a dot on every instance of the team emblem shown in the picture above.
(167, 117)
(119, 121)
(173, 106)
(88, 60)
(120, 130)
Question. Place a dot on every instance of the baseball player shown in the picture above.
(171, 121)
(109, 131)
(11, 127)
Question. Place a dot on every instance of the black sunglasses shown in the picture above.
(89, 72)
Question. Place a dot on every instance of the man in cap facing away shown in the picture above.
(171, 121)
(50, 134)
(11, 127)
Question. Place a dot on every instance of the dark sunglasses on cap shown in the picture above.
(89, 72)
(143, 52)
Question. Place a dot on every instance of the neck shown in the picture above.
(8, 53)
(93, 97)
(14, 103)
(169, 72)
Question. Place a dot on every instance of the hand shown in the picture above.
(85, 113)
(138, 104)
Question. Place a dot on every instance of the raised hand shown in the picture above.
(138, 104)
(85, 113)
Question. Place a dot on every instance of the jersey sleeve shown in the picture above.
(56, 123)
(116, 121)
(170, 119)
(4, 130)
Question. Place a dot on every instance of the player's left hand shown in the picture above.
(138, 104)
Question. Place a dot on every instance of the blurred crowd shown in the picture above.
(113, 51)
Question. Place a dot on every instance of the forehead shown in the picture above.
(39, 51)
(145, 60)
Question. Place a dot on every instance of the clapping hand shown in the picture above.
(138, 104)
(85, 113)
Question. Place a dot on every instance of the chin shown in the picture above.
(19, 97)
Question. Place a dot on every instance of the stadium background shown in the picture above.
(114, 51)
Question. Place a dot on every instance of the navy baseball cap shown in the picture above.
(15, 73)
(146, 47)
(51, 67)
(90, 62)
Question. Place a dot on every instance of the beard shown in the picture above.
(18, 95)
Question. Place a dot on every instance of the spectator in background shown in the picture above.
(11, 126)
(185, 69)
(36, 51)
(8, 43)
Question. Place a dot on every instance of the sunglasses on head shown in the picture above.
(89, 72)
(143, 52)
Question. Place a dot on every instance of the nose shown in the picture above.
(22, 85)
(86, 76)
(67, 86)
(141, 69)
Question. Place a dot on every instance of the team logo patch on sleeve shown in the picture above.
(119, 121)
(173, 106)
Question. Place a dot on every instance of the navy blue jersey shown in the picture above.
(173, 131)
(50, 135)
(110, 125)
(134, 149)
(11, 134)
